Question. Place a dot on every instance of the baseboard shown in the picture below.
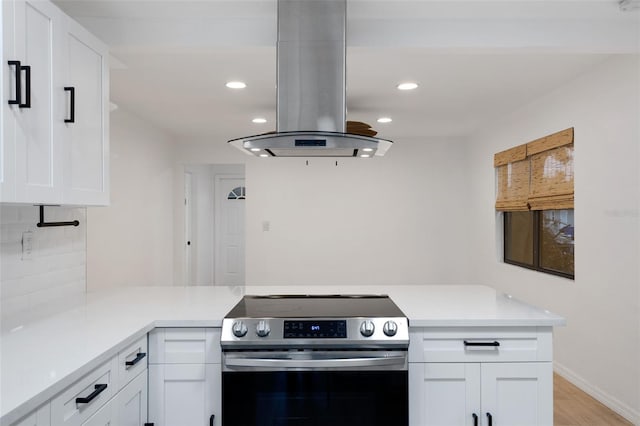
(619, 407)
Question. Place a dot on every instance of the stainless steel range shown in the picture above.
(315, 360)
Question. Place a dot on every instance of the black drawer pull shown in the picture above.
(87, 399)
(490, 419)
(211, 419)
(475, 419)
(27, 86)
(72, 105)
(18, 99)
(493, 344)
(135, 360)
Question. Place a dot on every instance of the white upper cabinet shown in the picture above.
(31, 153)
(86, 114)
(54, 143)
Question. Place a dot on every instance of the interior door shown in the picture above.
(230, 196)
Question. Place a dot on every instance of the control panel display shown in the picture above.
(331, 329)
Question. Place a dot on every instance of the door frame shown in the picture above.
(188, 228)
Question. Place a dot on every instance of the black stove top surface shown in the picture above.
(315, 306)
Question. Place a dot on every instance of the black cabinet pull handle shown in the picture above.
(27, 86)
(18, 98)
(72, 105)
(494, 343)
(136, 360)
(213, 416)
(87, 399)
(475, 419)
(490, 419)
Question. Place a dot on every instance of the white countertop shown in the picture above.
(40, 358)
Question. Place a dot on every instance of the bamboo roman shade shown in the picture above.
(537, 175)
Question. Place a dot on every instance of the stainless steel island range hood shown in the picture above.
(311, 81)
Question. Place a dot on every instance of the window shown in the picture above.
(540, 240)
(534, 185)
(238, 193)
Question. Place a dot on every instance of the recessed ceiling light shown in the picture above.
(407, 86)
(365, 155)
(236, 84)
(367, 149)
(264, 155)
(259, 120)
(255, 149)
(384, 120)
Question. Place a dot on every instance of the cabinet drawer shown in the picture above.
(184, 346)
(131, 361)
(482, 344)
(65, 411)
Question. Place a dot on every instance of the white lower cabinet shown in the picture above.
(105, 416)
(184, 377)
(78, 402)
(39, 417)
(495, 377)
(443, 394)
(518, 393)
(106, 395)
(474, 394)
(184, 394)
(128, 408)
(131, 402)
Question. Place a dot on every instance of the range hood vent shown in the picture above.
(311, 82)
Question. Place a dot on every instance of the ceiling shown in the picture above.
(475, 60)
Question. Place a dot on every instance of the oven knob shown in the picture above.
(367, 328)
(262, 329)
(239, 329)
(390, 328)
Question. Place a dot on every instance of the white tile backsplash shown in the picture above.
(54, 276)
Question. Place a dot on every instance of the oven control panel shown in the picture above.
(245, 333)
(323, 329)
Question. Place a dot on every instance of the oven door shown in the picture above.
(315, 388)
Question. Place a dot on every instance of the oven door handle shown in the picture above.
(316, 363)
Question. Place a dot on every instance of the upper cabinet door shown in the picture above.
(38, 157)
(7, 90)
(85, 134)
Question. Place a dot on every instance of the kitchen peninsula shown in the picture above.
(41, 358)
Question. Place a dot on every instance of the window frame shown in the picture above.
(536, 224)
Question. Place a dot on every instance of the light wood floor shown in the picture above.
(573, 407)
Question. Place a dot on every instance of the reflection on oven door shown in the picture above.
(315, 398)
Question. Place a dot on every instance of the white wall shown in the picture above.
(600, 346)
(53, 276)
(400, 219)
(131, 241)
